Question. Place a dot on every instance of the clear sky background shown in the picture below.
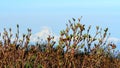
(52, 15)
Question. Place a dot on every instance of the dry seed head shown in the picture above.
(29, 30)
(17, 26)
(5, 32)
(11, 36)
(27, 37)
(49, 38)
(10, 29)
(69, 21)
(106, 30)
(89, 27)
(82, 27)
(97, 27)
(67, 28)
(23, 35)
(113, 46)
(78, 19)
(73, 19)
(78, 24)
(4, 29)
(16, 35)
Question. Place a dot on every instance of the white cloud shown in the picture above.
(113, 39)
(43, 34)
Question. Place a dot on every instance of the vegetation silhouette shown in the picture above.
(76, 48)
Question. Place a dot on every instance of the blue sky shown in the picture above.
(36, 14)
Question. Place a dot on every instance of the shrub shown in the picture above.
(76, 48)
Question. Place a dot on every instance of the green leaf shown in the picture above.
(82, 45)
(28, 65)
(39, 66)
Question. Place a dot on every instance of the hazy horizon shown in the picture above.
(49, 17)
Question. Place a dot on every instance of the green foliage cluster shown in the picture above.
(77, 48)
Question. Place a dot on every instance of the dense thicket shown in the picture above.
(76, 48)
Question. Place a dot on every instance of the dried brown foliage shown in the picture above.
(77, 48)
